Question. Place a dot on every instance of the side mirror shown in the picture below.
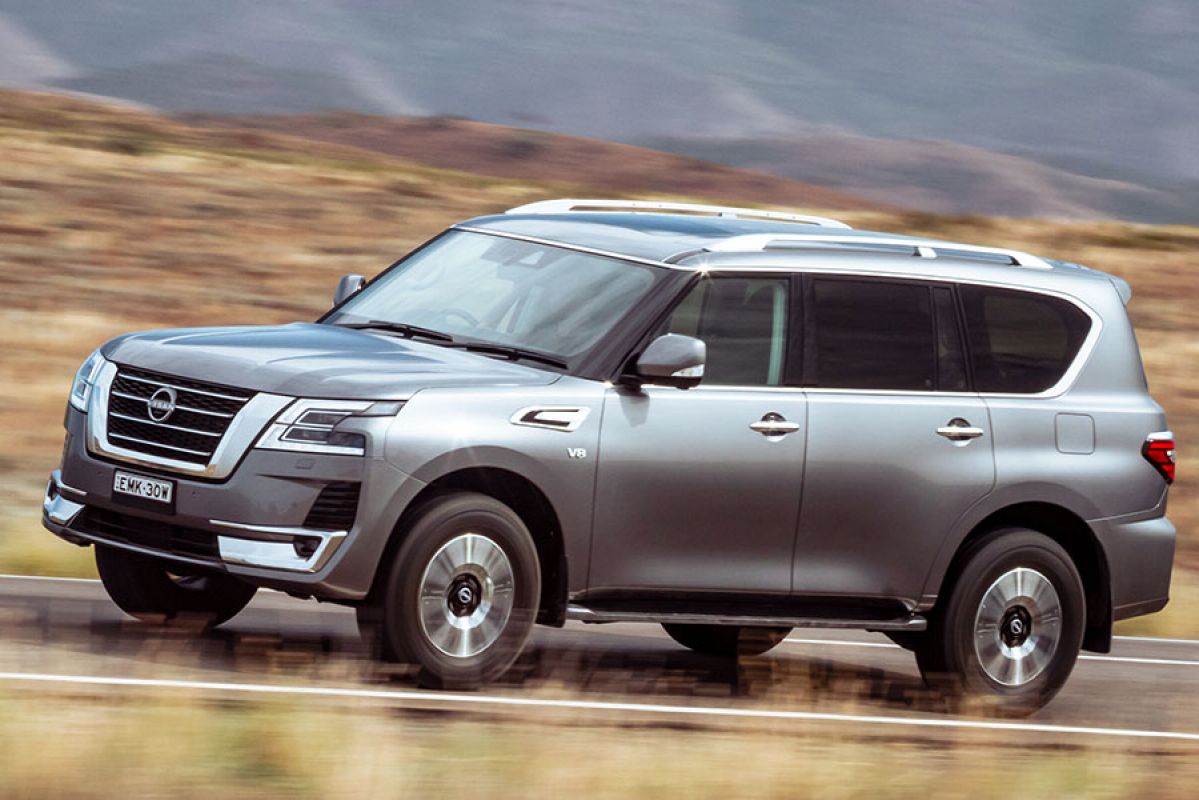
(347, 286)
(672, 360)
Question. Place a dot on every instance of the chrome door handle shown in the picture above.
(959, 430)
(774, 425)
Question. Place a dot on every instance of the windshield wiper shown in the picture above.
(511, 353)
(402, 328)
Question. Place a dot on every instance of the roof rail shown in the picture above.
(923, 248)
(567, 205)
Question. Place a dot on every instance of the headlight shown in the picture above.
(81, 389)
(311, 426)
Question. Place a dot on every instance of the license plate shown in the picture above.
(142, 487)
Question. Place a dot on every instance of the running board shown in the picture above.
(913, 622)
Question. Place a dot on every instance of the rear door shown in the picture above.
(898, 447)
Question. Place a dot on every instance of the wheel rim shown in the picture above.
(466, 595)
(1018, 627)
(189, 583)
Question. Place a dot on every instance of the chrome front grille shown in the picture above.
(190, 432)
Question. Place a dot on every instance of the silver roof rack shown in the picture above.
(923, 248)
(567, 205)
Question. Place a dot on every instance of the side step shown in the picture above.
(911, 622)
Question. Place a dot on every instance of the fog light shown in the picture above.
(305, 546)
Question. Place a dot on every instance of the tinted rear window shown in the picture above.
(871, 335)
(1021, 342)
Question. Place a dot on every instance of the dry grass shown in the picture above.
(113, 221)
(182, 745)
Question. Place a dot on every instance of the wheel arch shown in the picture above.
(1075, 536)
(521, 495)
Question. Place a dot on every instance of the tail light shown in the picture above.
(1159, 451)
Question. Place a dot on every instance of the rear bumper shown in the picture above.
(251, 525)
(1140, 557)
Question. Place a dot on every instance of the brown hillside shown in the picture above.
(529, 155)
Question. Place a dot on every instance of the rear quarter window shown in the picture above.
(1021, 342)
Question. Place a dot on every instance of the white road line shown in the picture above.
(841, 642)
(57, 579)
(1171, 662)
(48, 578)
(1166, 662)
(587, 705)
(1155, 640)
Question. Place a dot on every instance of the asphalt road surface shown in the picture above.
(65, 636)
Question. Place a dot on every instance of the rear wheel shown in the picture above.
(461, 595)
(726, 641)
(1013, 624)
(154, 591)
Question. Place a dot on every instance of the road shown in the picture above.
(65, 636)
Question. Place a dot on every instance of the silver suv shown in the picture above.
(724, 421)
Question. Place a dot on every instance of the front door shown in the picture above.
(699, 489)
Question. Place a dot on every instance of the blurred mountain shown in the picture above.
(946, 177)
(501, 151)
(26, 61)
(1096, 102)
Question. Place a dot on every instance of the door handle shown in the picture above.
(959, 430)
(773, 424)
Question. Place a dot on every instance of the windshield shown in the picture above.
(481, 288)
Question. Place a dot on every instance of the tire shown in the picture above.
(370, 630)
(474, 563)
(154, 591)
(1012, 626)
(726, 641)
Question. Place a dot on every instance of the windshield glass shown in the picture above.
(483, 288)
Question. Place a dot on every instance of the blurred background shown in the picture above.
(174, 164)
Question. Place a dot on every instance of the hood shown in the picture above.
(308, 360)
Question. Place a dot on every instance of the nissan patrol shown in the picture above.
(728, 422)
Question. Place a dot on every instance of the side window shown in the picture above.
(951, 355)
(1021, 342)
(743, 321)
(866, 334)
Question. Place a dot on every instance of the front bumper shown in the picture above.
(252, 524)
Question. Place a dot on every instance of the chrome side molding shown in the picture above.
(57, 508)
(913, 622)
(555, 418)
(282, 551)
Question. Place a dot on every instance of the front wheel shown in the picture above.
(726, 641)
(1013, 625)
(461, 595)
(153, 591)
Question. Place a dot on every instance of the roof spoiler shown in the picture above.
(1123, 288)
